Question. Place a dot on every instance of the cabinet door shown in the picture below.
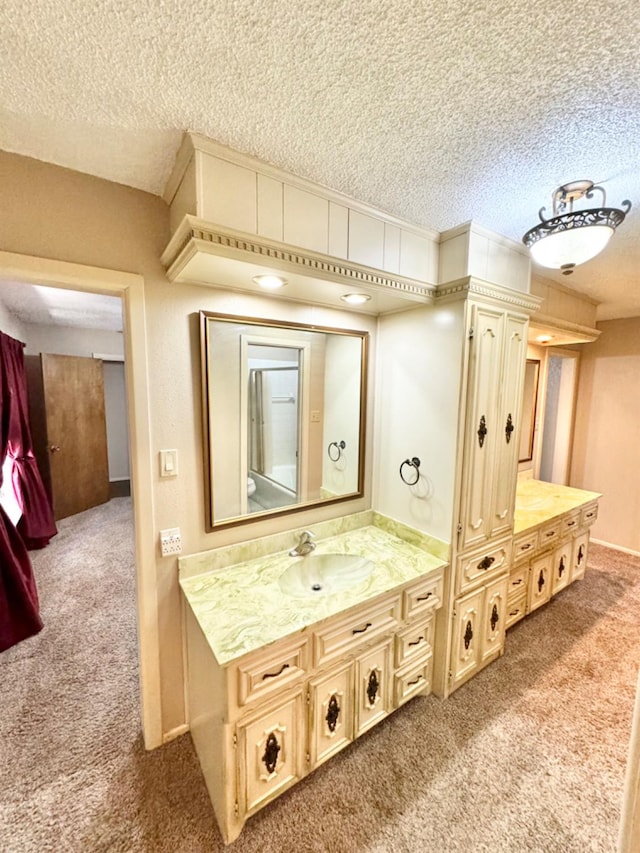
(270, 753)
(507, 439)
(579, 557)
(495, 618)
(467, 635)
(331, 715)
(481, 430)
(373, 680)
(540, 581)
(562, 566)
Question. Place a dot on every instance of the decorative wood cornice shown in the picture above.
(196, 235)
(464, 288)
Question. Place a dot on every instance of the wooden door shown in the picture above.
(73, 391)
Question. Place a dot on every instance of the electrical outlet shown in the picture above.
(170, 541)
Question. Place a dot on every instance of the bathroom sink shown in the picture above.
(322, 574)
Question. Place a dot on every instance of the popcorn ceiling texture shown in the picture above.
(438, 112)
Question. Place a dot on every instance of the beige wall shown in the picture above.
(606, 451)
(55, 213)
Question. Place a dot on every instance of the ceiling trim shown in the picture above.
(469, 286)
(195, 235)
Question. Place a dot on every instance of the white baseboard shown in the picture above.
(616, 547)
(178, 731)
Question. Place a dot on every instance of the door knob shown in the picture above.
(54, 448)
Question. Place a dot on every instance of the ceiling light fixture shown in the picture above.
(571, 237)
(355, 298)
(544, 339)
(270, 282)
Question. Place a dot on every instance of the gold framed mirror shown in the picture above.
(529, 406)
(283, 416)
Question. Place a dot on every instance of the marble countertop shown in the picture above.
(242, 608)
(538, 502)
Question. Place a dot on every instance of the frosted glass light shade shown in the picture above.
(571, 247)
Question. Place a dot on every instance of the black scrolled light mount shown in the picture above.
(413, 463)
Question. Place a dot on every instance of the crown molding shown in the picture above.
(195, 236)
(467, 287)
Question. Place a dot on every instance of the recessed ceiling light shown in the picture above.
(355, 298)
(544, 339)
(270, 282)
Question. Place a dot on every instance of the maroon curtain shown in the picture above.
(19, 612)
(37, 524)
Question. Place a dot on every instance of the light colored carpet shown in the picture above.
(528, 756)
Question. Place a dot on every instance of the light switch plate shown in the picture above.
(168, 463)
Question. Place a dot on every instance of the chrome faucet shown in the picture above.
(305, 545)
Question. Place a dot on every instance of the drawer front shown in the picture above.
(518, 582)
(550, 535)
(588, 515)
(579, 557)
(414, 642)
(482, 565)
(422, 596)
(570, 523)
(516, 609)
(412, 681)
(270, 670)
(562, 566)
(342, 637)
(373, 687)
(270, 753)
(331, 717)
(524, 546)
(540, 581)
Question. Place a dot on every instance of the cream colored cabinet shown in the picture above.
(562, 566)
(497, 356)
(540, 581)
(479, 625)
(579, 556)
(266, 720)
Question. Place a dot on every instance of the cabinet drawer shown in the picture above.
(424, 595)
(265, 672)
(588, 515)
(516, 608)
(517, 585)
(550, 534)
(415, 642)
(524, 545)
(482, 565)
(345, 635)
(411, 681)
(569, 523)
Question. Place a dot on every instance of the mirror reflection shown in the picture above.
(283, 415)
(529, 403)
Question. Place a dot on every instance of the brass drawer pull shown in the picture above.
(424, 597)
(275, 674)
(486, 563)
(361, 630)
(589, 514)
(570, 523)
(516, 583)
(525, 547)
(416, 681)
(550, 533)
(418, 641)
(514, 612)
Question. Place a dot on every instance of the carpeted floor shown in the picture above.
(528, 756)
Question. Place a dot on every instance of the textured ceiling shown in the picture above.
(438, 112)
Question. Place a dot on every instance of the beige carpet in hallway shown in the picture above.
(529, 756)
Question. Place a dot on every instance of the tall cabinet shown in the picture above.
(481, 542)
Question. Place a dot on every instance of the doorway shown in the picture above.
(25, 269)
(559, 416)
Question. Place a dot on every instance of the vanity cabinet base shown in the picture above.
(263, 723)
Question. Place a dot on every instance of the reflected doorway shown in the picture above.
(559, 416)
